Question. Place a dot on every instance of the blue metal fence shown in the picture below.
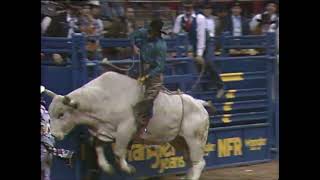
(244, 130)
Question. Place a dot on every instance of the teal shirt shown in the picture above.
(153, 52)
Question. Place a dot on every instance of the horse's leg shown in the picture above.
(102, 161)
(125, 133)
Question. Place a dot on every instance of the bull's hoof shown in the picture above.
(131, 170)
(184, 178)
(211, 106)
(108, 169)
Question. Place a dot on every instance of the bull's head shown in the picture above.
(62, 112)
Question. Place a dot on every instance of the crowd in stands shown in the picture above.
(110, 19)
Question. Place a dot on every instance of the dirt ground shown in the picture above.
(264, 171)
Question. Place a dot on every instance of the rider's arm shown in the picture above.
(159, 59)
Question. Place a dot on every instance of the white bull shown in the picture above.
(105, 105)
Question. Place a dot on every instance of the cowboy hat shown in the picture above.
(156, 25)
(93, 3)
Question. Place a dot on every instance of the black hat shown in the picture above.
(72, 5)
(206, 6)
(220, 7)
(272, 2)
(156, 25)
(236, 3)
(187, 2)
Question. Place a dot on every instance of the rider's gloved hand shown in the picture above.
(142, 79)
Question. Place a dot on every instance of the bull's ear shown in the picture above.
(74, 104)
(70, 102)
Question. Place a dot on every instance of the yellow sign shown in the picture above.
(226, 118)
(166, 158)
(227, 106)
(209, 148)
(230, 94)
(227, 77)
(229, 147)
(255, 144)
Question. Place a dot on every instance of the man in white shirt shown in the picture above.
(267, 21)
(195, 25)
(211, 24)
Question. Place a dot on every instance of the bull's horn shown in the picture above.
(42, 88)
(48, 92)
(70, 102)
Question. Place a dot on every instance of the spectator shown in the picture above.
(96, 13)
(48, 10)
(60, 20)
(195, 26)
(90, 22)
(92, 26)
(111, 9)
(130, 20)
(73, 19)
(235, 23)
(208, 13)
(220, 12)
(267, 21)
(54, 24)
(117, 29)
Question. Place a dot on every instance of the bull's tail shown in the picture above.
(207, 104)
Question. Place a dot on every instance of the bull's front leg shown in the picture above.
(102, 161)
(125, 133)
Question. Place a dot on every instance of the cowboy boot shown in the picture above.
(143, 113)
(146, 115)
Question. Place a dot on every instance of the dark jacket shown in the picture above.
(58, 26)
(228, 25)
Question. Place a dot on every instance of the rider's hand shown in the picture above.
(142, 79)
(199, 60)
(136, 50)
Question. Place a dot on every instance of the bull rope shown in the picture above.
(105, 61)
(182, 110)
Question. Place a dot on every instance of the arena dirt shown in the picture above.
(264, 171)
